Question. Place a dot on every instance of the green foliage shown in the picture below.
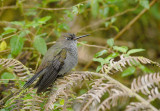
(7, 76)
(81, 44)
(144, 3)
(155, 12)
(16, 43)
(43, 20)
(129, 71)
(145, 69)
(132, 51)
(122, 49)
(100, 53)
(118, 51)
(110, 42)
(28, 27)
(94, 7)
(40, 44)
(8, 30)
(3, 45)
(105, 60)
(75, 10)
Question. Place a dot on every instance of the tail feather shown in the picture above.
(31, 80)
(43, 86)
(50, 76)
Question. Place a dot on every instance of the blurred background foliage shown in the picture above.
(29, 27)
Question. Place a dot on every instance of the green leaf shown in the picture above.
(129, 71)
(144, 3)
(106, 11)
(110, 42)
(98, 68)
(21, 83)
(111, 56)
(100, 53)
(61, 102)
(7, 75)
(16, 43)
(9, 30)
(107, 24)
(70, 109)
(40, 44)
(116, 28)
(122, 49)
(81, 43)
(98, 59)
(113, 20)
(63, 26)
(42, 35)
(132, 51)
(106, 60)
(145, 69)
(75, 10)
(94, 7)
(20, 23)
(44, 19)
(82, 91)
(155, 11)
(3, 45)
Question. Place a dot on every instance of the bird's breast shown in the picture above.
(70, 61)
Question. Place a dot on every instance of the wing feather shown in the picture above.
(51, 71)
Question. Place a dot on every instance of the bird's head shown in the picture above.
(72, 37)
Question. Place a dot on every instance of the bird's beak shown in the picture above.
(81, 36)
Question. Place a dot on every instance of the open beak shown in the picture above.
(81, 36)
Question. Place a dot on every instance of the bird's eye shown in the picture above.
(68, 38)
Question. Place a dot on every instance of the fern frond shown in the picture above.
(21, 71)
(138, 106)
(145, 82)
(94, 95)
(64, 86)
(154, 94)
(97, 82)
(112, 100)
(131, 60)
(26, 101)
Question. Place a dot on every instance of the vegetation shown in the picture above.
(117, 63)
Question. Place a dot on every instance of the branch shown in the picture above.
(108, 18)
(133, 21)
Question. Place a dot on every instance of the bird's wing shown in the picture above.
(51, 53)
(51, 71)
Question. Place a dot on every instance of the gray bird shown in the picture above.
(58, 60)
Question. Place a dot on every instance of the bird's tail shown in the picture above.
(31, 80)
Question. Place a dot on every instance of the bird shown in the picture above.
(60, 58)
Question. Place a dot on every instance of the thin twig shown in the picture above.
(47, 9)
(51, 9)
(133, 21)
(29, 6)
(108, 18)
(95, 46)
(10, 36)
(51, 43)
(8, 7)
(11, 80)
(6, 51)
